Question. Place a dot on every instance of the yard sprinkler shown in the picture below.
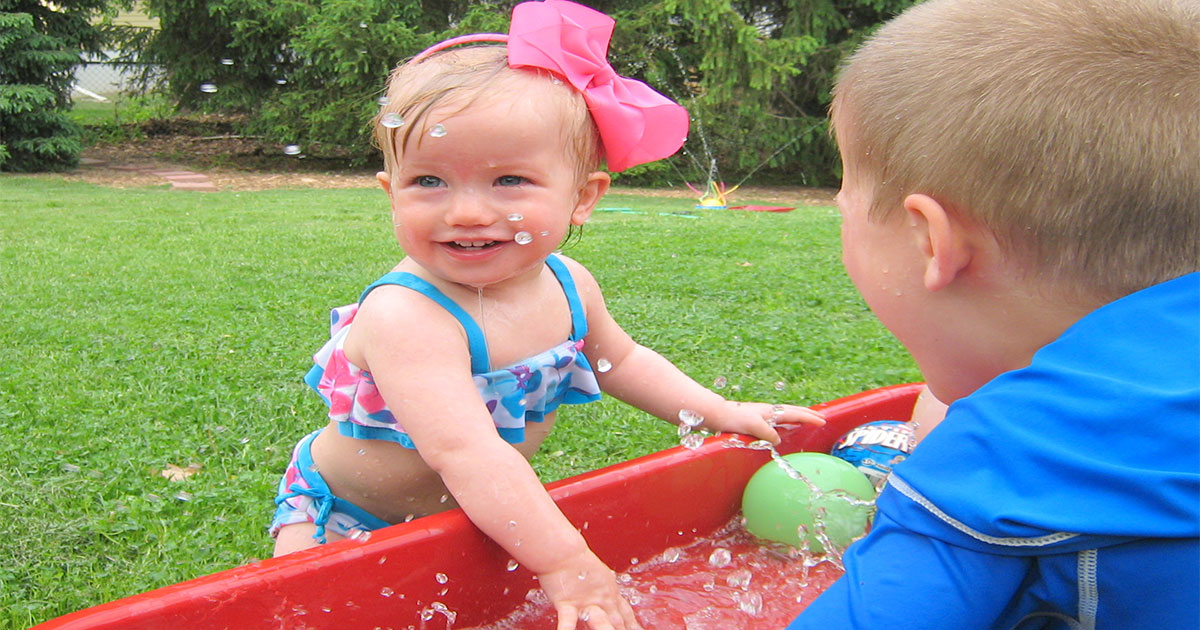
(714, 198)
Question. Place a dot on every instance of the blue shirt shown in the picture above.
(1062, 495)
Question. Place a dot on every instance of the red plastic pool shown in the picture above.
(635, 509)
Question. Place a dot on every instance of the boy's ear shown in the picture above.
(385, 181)
(593, 189)
(942, 237)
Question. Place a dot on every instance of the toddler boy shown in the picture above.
(1021, 208)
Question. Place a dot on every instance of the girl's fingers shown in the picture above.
(800, 415)
(567, 616)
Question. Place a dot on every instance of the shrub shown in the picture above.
(40, 46)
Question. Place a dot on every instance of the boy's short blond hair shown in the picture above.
(472, 76)
(1069, 128)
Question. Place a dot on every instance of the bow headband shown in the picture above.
(636, 123)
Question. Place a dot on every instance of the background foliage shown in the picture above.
(754, 74)
(39, 46)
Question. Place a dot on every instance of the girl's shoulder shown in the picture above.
(583, 278)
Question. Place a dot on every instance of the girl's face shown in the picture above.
(482, 194)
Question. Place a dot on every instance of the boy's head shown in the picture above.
(478, 76)
(1069, 129)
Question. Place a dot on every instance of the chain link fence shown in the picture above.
(99, 78)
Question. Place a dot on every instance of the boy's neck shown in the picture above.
(998, 326)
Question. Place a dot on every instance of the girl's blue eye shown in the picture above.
(510, 180)
(428, 181)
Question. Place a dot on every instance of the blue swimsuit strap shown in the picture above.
(579, 327)
(476, 342)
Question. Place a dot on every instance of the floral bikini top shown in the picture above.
(522, 392)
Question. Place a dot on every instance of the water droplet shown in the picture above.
(438, 131)
(281, 81)
(291, 149)
(720, 382)
(442, 608)
(409, 517)
(739, 579)
(720, 557)
(545, 233)
(603, 365)
(512, 565)
(71, 468)
(183, 496)
(692, 441)
(512, 524)
(523, 238)
(386, 592)
(516, 216)
(690, 418)
(361, 535)
(444, 498)
(362, 25)
(383, 100)
(227, 62)
(426, 614)
(584, 615)
(780, 386)
(749, 603)
(441, 578)
(671, 554)
(208, 88)
(362, 451)
(391, 120)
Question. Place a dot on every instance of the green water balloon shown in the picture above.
(775, 505)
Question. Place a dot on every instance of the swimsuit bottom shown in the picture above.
(304, 497)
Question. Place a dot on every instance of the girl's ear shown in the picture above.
(590, 193)
(385, 181)
(943, 238)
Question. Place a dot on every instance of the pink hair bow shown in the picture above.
(636, 123)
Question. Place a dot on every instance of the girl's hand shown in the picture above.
(759, 419)
(585, 589)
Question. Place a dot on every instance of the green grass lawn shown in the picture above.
(150, 328)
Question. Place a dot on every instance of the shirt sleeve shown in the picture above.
(899, 580)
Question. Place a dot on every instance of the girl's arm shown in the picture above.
(647, 380)
(426, 380)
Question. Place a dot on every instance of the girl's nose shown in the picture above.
(467, 208)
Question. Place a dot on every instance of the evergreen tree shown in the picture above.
(40, 45)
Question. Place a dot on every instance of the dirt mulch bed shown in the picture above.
(242, 163)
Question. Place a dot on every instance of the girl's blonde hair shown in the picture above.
(479, 75)
(1069, 128)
